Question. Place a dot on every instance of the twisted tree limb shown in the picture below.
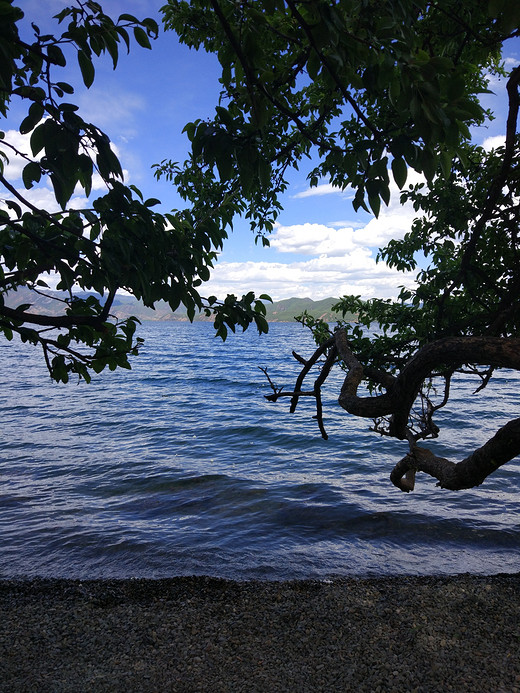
(402, 392)
(470, 472)
(450, 353)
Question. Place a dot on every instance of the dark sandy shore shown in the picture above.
(201, 634)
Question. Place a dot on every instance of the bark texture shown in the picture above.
(400, 393)
(470, 472)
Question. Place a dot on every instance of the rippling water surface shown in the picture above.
(181, 467)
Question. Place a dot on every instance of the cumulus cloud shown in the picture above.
(319, 239)
(313, 239)
(337, 239)
(19, 143)
(330, 259)
(42, 197)
(317, 278)
(323, 189)
(494, 142)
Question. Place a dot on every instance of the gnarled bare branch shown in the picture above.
(399, 398)
(470, 472)
(443, 356)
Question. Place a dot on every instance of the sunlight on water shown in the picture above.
(182, 467)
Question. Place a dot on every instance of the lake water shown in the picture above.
(181, 467)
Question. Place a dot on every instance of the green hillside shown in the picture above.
(288, 309)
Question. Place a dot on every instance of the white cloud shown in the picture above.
(313, 239)
(494, 142)
(317, 278)
(43, 197)
(323, 189)
(334, 239)
(336, 261)
(318, 239)
(342, 223)
(21, 143)
(510, 63)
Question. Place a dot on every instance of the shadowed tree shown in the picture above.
(366, 91)
(118, 241)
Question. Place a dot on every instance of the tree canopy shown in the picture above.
(360, 91)
(365, 91)
(118, 241)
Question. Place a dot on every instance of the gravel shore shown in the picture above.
(199, 634)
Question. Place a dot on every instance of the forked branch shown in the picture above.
(395, 403)
(470, 472)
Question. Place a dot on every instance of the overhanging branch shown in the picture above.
(470, 472)
(399, 398)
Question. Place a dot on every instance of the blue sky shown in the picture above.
(320, 248)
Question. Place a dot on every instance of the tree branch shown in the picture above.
(316, 391)
(470, 472)
(398, 400)
(307, 367)
(495, 188)
(59, 321)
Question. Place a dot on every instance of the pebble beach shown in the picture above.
(199, 634)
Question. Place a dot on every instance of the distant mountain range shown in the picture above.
(125, 306)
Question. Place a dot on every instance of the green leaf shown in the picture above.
(394, 90)
(261, 324)
(142, 37)
(124, 35)
(313, 65)
(36, 111)
(55, 55)
(151, 26)
(87, 68)
(428, 163)
(399, 171)
(375, 203)
(10, 204)
(204, 273)
(98, 365)
(66, 88)
(38, 138)
(31, 174)
(128, 18)
(86, 169)
(106, 160)
(384, 193)
(446, 160)
(112, 47)
(224, 116)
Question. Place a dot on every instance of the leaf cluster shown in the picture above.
(370, 90)
(119, 241)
